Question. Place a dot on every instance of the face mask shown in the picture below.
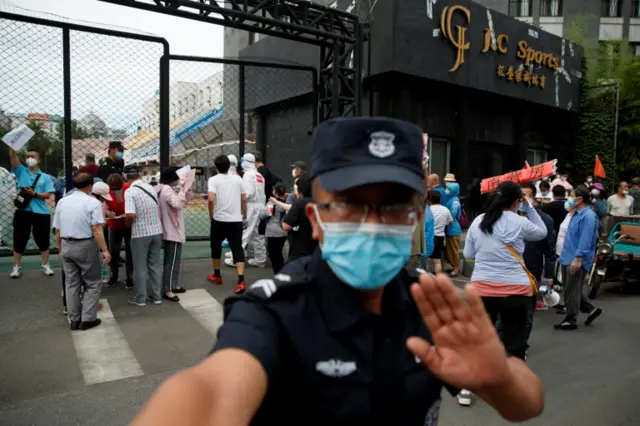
(366, 256)
(119, 155)
(595, 192)
(31, 162)
(521, 207)
(567, 206)
(293, 173)
(545, 193)
(625, 192)
(571, 202)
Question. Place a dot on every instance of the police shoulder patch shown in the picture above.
(291, 275)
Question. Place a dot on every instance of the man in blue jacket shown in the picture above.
(576, 259)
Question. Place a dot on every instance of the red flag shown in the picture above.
(526, 165)
(598, 169)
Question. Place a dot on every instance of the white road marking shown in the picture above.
(103, 352)
(204, 308)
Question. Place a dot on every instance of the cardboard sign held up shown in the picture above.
(530, 174)
(18, 137)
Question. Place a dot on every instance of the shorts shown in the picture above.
(438, 248)
(23, 223)
(230, 231)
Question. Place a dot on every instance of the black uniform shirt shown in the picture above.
(110, 167)
(329, 361)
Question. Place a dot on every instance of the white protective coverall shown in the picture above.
(234, 164)
(254, 188)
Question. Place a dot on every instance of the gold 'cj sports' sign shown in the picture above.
(457, 36)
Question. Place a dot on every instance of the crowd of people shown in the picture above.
(353, 223)
(110, 208)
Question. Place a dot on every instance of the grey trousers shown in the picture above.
(81, 265)
(147, 267)
(172, 257)
(574, 300)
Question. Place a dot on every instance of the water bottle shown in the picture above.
(105, 272)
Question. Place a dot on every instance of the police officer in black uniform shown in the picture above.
(114, 162)
(348, 336)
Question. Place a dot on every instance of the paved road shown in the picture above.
(51, 376)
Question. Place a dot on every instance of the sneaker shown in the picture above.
(16, 271)
(112, 282)
(86, 325)
(154, 301)
(128, 284)
(65, 311)
(541, 306)
(74, 325)
(566, 325)
(47, 270)
(139, 305)
(228, 255)
(240, 288)
(464, 398)
(229, 262)
(593, 315)
(253, 262)
(213, 279)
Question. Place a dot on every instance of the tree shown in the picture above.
(605, 66)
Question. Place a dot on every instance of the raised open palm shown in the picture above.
(467, 352)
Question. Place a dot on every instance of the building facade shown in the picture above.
(494, 94)
(611, 19)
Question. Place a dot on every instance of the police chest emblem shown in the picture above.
(336, 368)
(381, 144)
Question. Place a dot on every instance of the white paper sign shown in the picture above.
(182, 172)
(18, 137)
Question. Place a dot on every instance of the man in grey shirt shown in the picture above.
(79, 226)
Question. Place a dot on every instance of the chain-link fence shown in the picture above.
(81, 87)
(107, 82)
(223, 107)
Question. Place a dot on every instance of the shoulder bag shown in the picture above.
(533, 283)
(146, 192)
(23, 199)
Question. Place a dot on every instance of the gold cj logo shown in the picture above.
(459, 39)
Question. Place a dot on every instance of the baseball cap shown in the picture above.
(116, 145)
(352, 151)
(299, 165)
(101, 189)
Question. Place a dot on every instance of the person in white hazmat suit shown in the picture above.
(7, 194)
(253, 183)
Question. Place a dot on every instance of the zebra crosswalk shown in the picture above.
(42, 357)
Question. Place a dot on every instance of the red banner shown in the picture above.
(520, 176)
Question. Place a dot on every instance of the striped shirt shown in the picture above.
(145, 207)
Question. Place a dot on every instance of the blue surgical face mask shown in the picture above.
(366, 256)
(521, 207)
(570, 204)
(119, 155)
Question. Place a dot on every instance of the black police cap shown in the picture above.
(355, 151)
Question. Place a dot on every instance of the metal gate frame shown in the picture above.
(165, 95)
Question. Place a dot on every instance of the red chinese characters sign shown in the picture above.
(520, 176)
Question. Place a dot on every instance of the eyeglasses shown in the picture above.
(390, 214)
